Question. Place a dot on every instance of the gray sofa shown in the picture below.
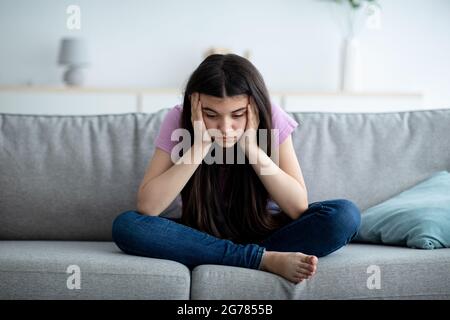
(65, 178)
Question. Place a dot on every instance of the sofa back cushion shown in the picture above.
(370, 157)
(68, 177)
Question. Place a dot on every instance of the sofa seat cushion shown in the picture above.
(349, 273)
(38, 270)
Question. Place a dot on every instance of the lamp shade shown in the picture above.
(73, 51)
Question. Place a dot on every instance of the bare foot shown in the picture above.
(294, 266)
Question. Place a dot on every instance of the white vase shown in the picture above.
(351, 65)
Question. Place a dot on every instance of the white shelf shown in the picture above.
(107, 100)
(353, 102)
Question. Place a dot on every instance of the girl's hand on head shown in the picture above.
(251, 127)
(201, 134)
(252, 115)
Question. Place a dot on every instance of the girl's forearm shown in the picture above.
(159, 193)
(287, 192)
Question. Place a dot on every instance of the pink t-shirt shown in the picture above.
(280, 120)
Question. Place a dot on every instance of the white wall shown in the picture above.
(294, 43)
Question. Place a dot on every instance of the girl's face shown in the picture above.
(227, 115)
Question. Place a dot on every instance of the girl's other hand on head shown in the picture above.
(200, 132)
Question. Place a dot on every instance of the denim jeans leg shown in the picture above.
(158, 237)
(325, 227)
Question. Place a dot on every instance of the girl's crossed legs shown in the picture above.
(290, 251)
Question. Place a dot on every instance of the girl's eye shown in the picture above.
(234, 116)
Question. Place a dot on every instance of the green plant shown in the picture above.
(351, 15)
(355, 4)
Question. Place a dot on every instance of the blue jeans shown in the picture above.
(325, 227)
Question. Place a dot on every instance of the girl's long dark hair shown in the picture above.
(239, 213)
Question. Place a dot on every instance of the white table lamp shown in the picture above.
(74, 54)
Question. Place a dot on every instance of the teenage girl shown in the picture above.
(251, 214)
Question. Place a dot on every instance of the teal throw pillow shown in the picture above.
(418, 217)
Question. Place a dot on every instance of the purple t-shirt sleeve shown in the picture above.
(283, 122)
(168, 125)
